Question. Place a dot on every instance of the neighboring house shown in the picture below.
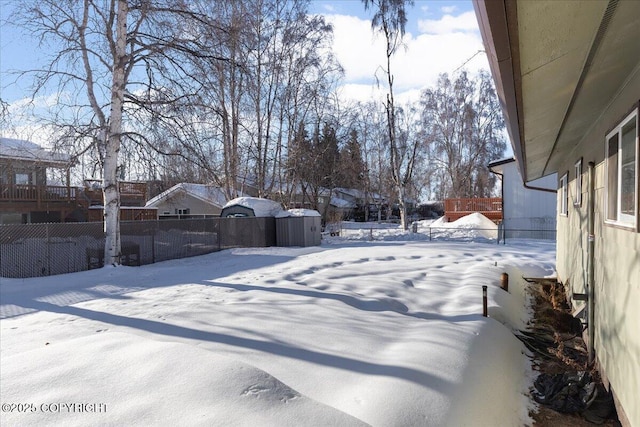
(528, 209)
(25, 194)
(358, 197)
(352, 203)
(187, 200)
(336, 208)
(568, 79)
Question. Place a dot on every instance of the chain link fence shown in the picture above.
(424, 230)
(34, 250)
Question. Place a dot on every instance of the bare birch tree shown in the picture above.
(462, 120)
(390, 19)
(111, 59)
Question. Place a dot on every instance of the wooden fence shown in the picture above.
(491, 207)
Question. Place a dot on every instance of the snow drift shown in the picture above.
(352, 333)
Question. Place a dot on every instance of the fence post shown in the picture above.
(47, 225)
(154, 230)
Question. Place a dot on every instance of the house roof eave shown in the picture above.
(556, 68)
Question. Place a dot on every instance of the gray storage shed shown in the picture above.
(298, 227)
(249, 222)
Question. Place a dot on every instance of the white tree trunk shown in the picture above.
(112, 248)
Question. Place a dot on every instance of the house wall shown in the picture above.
(617, 261)
(532, 211)
(9, 168)
(185, 201)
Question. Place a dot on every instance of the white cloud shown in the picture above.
(24, 119)
(465, 22)
(448, 9)
(362, 54)
(45, 101)
(357, 48)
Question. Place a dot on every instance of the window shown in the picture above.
(564, 195)
(182, 211)
(23, 179)
(577, 200)
(622, 172)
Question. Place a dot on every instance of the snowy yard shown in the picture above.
(355, 332)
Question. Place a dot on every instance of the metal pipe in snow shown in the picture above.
(484, 300)
(590, 260)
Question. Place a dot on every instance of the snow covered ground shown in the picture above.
(354, 332)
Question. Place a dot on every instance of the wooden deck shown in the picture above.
(127, 213)
(65, 200)
(491, 207)
(131, 193)
(37, 193)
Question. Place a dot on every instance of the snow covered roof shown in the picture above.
(207, 193)
(341, 203)
(298, 212)
(358, 194)
(261, 207)
(19, 149)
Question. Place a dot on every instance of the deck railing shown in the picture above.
(130, 192)
(37, 193)
(491, 207)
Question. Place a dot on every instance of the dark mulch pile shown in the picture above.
(568, 389)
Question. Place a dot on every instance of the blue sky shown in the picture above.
(441, 37)
(421, 10)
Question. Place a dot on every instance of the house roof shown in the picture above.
(500, 162)
(497, 165)
(557, 65)
(341, 203)
(19, 149)
(358, 194)
(207, 193)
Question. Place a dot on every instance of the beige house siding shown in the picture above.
(185, 201)
(617, 261)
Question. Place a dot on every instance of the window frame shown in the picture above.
(564, 195)
(619, 218)
(577, 201)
